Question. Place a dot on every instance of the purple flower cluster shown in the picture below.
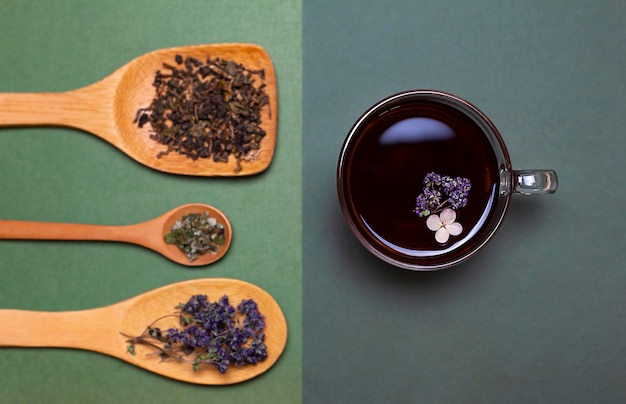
(440, 192)
(214, 332)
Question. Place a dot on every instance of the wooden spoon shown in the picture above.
(148, 234)
(107, 109)
(100, 329)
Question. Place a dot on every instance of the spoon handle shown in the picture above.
(88, 108)
(24, 230)
(84, 329)
(58, 109)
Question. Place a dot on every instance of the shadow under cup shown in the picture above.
(424, 180)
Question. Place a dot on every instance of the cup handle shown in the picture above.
(528, 182)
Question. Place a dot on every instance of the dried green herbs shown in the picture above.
(197, 234)
(207, 109)
(211, 333)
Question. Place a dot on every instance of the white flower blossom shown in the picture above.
(444, 225)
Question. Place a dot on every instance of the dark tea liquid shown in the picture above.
(385, 168)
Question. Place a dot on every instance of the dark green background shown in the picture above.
(70, 176)
(538, 315)
(535, 317)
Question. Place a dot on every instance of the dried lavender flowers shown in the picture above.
(197, 234)
(441, 197)
(211, 333)
(208, 109)
(440, 192)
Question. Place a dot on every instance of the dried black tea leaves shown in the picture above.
(208, 109)
(197, 234)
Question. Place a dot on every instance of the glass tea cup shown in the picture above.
(424, 180)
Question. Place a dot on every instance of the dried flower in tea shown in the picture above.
(213, 333)
(441, 196)
(197, 234)
(207, 109)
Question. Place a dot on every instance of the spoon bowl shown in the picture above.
(149, 234)
(173, 252)
(100, 329)
(108, 108)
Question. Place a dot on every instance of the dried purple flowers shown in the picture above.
(208, 109)
(441, 196)
(211, 333)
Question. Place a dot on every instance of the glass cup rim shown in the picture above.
(488, 129)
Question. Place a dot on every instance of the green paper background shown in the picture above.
(538, 315)
(55, 174)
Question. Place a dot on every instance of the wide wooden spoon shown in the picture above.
(149, 234)
(101, 329)
(108, 108)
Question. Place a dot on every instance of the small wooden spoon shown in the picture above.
(148, 234)
(100, 329)
(107, 109)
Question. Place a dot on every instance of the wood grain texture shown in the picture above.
(100, 329)
(108, 107)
